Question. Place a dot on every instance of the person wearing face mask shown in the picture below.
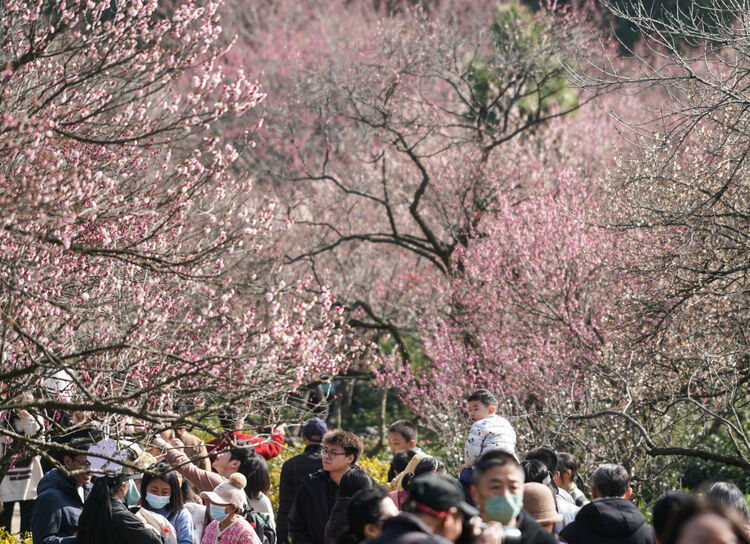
(106, 519)
(497, 489)
(161, 493)
(226, 505)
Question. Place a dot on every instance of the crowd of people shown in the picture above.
(177, 490)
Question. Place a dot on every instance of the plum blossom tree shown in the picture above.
(135, 268)
(397, 142)
(676, 371)
(526, 315)
(381, 150)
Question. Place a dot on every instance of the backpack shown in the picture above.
(264, 531)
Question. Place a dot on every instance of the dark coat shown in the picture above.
(126, 528)
(293, 472)
(338, 521)
(532, 532)
(406, 529)
(612, 520)
(58, 507)
(311, 508)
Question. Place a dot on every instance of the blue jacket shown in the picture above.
(58, 506)
(182, 522)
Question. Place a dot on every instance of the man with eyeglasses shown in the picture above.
(60, 501)
(317, 494)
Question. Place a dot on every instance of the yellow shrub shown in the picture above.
(377, 468)
(7, 538)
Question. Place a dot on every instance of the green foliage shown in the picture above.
(523, 63)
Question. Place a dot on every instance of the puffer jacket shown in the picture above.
(491, 433)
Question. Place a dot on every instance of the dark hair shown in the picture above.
(405, 428)
(729, 494)
(611, 480)
(162, 471)
(546, 456)
(254, 468)
(351, 443)
(492, 459)
(483, 396)
(425, 465)
(96, 517)
(535, 471)
(565, 462)
(188, 491)
(228, 417)
(401, 460)
(365, 507)
(664, 507)
(354, 480)
(696, 506)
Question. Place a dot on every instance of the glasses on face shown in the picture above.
(333, 453)
(85, 463)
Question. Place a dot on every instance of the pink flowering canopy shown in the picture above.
(130, 259)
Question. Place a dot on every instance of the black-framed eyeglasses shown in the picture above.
(332, 453)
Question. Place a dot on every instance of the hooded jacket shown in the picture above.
(58, 507)
(611, 520)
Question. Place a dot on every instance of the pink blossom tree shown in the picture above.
(137, 278)
(397, 141)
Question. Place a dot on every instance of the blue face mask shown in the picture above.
(157, 501)
(218, 512)
(503, 508)
(132, 496)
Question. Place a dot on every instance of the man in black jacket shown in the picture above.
(297, 469)
(434, 513)
(498, 491)
(317, 494)
(60, 501)
(611, 518)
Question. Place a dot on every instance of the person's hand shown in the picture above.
(492, 534)
(281, 429)
(167, 435)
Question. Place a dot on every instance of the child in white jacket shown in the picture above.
(489, 431)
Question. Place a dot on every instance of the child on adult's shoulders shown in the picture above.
(489, 431)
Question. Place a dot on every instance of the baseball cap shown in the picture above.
(314, 429)
(435, 494)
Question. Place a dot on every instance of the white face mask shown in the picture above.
(218, 512)
(158, 501)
